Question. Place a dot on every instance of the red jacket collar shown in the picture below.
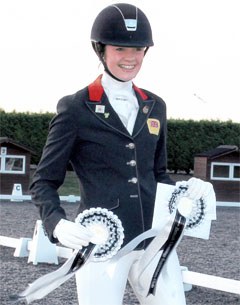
(96, 90)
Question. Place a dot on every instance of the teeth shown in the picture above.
(127, 67)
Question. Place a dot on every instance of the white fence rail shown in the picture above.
(69, 198)
(211, 281)
(40, 249)
(73, 198)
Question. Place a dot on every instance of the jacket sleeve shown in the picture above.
(51, 169)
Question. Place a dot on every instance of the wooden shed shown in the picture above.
(221, 167)
(14, 165)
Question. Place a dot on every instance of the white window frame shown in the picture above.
(231, 171)
(3, 164)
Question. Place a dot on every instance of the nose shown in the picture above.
(130, 54)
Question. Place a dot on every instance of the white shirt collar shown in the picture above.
(110, 84)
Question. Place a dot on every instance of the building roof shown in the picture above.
(10, 141)
(218, 151)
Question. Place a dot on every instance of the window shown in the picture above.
(225, 171)
(236, 172)
(11, 164)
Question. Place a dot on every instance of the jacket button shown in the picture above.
(131, 163)
(133, 180)
(130, 145)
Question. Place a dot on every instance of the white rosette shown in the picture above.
(196, 212)
(200, 214)
(107, 231)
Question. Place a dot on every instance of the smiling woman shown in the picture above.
(114, 134)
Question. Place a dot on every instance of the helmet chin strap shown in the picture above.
(99, 50)
(110, 73)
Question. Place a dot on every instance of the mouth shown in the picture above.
(127, 67)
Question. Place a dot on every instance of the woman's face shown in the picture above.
(124, 62)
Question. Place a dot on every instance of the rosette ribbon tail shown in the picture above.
(171, 243)
(47, 283)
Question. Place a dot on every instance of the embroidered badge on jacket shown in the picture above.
(153, 126)
(100, 109)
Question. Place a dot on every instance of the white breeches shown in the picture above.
(104, 283)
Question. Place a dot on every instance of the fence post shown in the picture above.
(42, 250)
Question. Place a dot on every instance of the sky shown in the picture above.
(45, 54)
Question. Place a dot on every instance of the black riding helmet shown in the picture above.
(120, 24)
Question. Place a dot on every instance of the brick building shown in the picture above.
(14, 165)
(221, 167)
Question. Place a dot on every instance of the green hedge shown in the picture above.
(29, 129)
(185, 137)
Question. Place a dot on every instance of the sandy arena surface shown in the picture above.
(219, 256)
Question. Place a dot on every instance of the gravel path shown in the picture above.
(219, 256)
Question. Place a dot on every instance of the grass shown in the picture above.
(70, 185)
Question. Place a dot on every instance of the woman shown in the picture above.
(114, 135)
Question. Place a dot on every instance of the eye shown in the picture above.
(119, 49)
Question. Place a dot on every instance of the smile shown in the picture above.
(128, 67)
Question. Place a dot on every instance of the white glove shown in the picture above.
(197, 188)
(72, 235)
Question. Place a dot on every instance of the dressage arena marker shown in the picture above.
(40, 250)
(17, 192)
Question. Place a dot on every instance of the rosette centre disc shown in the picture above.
(100, 233)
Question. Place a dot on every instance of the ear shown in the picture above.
(99, 49)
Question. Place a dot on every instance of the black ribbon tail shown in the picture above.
(81, 258)
(172, 241)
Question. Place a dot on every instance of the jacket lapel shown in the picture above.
(145, 108)
(100, 106)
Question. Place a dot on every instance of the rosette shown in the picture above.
(198, 208)
(107, 230)
(202, 211)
